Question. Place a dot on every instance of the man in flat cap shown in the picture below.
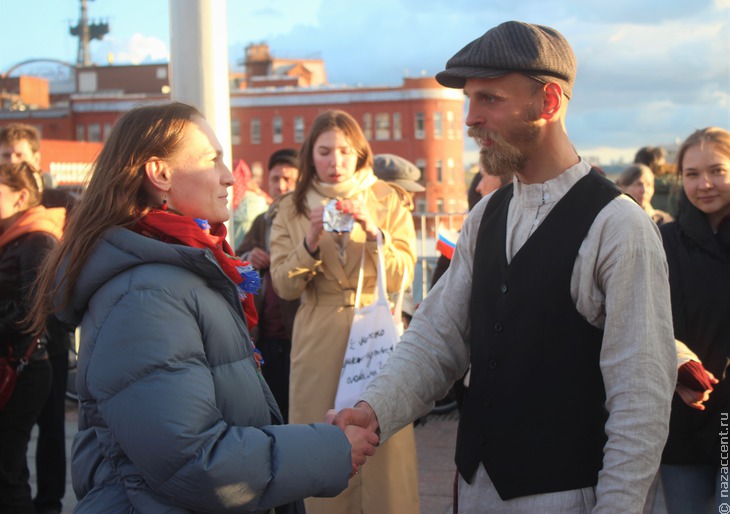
(557, 295)
(401, 174)
(273, 333)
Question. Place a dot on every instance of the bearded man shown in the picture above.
(557, 296)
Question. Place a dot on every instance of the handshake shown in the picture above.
(360, 426)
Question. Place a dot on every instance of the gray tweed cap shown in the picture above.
(393, 168)
(537, 51)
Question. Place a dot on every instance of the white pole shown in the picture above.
(199, 64)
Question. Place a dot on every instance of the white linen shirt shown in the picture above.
(619, 284)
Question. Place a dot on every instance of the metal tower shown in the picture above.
(86, 32)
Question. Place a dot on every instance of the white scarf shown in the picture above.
(319, 193)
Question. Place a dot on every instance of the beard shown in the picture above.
(507, 154)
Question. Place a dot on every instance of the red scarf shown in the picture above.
(174, 228)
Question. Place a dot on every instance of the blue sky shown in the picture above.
(649, 71)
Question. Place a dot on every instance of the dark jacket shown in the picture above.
(174, 416)
(259, 236)
(699, 279)
(19, 263)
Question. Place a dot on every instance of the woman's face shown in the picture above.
(706, 181)
(642, 189)
(9, 202)
(200, 179)
(335, 159)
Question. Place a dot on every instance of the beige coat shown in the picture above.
(388, 483)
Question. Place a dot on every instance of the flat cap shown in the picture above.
(535, 50)
(398, 170)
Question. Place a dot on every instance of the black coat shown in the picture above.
(19, 263)
(699, 278)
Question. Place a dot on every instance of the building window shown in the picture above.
(298, 129)
(439, 171)
(255, 131)
(421, 165)
(420, 206)
(107, 131)
(450, 167)
(278, 127)
(450, 124)
(80, 134)
(367, 125)
(439, 205)
(397, 127)
(235, 131)
(420, 126)
(382, 126)
(94, 132)
(438, 126)
(452, 205)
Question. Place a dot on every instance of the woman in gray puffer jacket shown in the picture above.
(174, 414)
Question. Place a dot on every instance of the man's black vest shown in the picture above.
(534, 411)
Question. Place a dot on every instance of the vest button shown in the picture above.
(482, 440)
(492, 364)
(498, 327)
(503, 288)
(487, 403)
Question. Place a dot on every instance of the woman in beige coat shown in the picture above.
(322, 268)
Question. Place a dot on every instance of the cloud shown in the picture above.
(648, 73)
(136, 49)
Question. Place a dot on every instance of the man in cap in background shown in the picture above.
(557, 295)
(273, 333)
(399, 172)
(403, 176)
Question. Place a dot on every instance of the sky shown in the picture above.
(650, 72)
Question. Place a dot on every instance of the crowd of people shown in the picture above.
(587, 332)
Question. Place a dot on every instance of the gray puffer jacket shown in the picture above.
(174, 416)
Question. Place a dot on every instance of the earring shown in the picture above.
(164, 201)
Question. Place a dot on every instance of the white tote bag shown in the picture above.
(373, 336)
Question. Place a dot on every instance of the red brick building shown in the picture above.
(272, 106)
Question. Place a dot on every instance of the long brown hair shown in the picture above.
(115, 196)
(329, 120)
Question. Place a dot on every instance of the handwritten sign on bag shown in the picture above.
(372, 339)
(373, 336)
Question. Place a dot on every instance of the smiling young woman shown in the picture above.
(698, 254)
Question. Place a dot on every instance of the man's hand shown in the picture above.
(259, 258)
(360, 425)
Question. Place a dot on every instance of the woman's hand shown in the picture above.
(693, 398)
(362, 216)
(362, 442)
(315, 229)
(360, 425)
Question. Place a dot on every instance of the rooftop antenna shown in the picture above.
(87, 32)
